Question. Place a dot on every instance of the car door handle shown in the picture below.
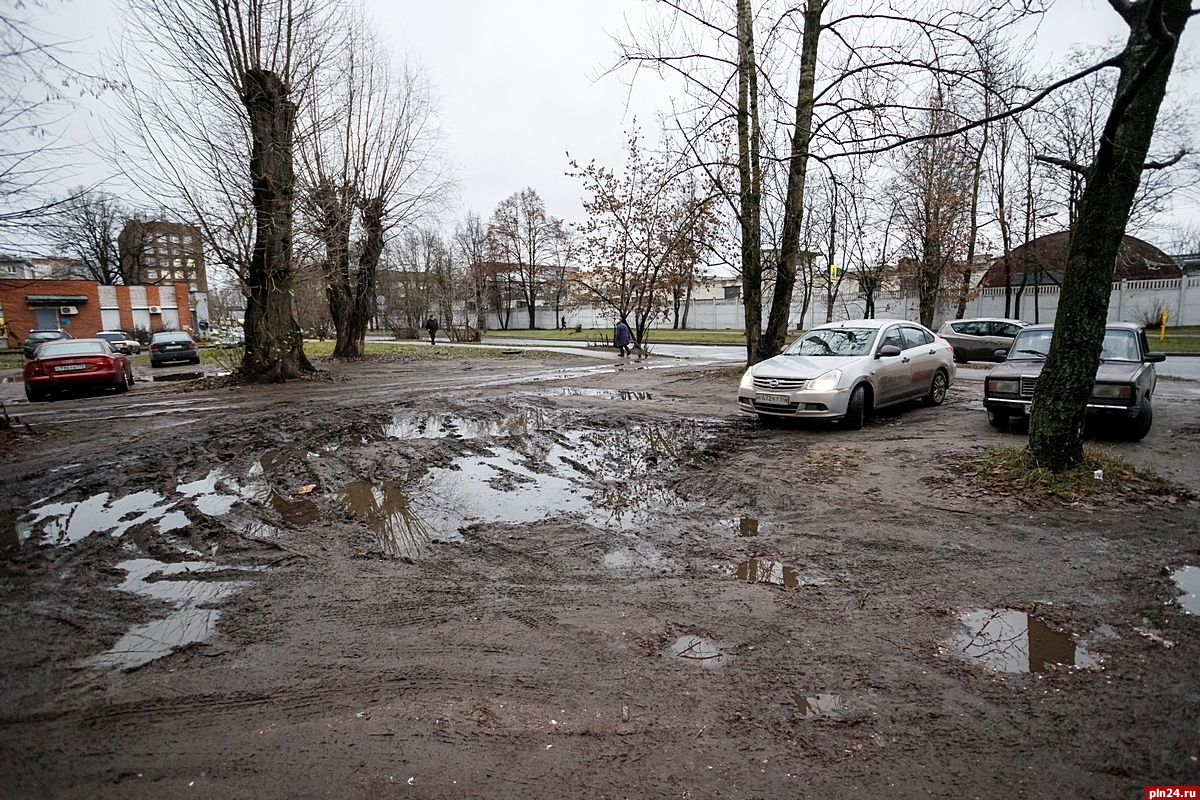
(933, 352)
(905, 360)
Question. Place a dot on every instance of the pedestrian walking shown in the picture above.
(621, 338)
(432, 327)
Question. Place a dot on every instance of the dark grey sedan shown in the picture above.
(173, 346)
(1125, 379)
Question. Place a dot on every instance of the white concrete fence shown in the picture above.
(1131, 301)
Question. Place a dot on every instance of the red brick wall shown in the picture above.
(185, 310)
(19, 317)
(125, 305)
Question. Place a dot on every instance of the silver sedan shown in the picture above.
(845, 370)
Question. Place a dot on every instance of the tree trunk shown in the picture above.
(749, 176)
(775, 336)
(274, 343)
(1059, 402)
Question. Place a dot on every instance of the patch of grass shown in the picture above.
(655, 336)
(416, 351)
(1012, 469)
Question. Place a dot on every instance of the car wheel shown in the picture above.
(958, 359)
(937, 388)
(123, 383)
(998, 420)
(156, 364)
(856, 410)
(196, 360)
(1139, 427)
(34, 395)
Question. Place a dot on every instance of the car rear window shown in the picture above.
(159, 338)
(45, 335)
(70, 348)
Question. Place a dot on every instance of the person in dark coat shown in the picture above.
(432, 327)
(621, 337)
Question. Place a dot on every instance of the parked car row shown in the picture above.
(845, 370)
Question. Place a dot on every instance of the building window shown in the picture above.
(189, 262)
(152, 274)
(187, 239)
(178, 275)
(162, 237)
(733, 292)
(152, 262)
(193, 287)
(174, 239)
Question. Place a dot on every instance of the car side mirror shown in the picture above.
(1156, 357)
(888, 350)
(1000, 355)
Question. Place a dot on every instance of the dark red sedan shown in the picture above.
(76, 364)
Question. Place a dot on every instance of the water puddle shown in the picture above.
(746, 526)
(270, 460)
(299, 512)
(65, 523)
(1012, 641)
(189, 623)
(697, 650)
(604, 394)
(216, 492)
(1187, 580)
(388, 513)
(176, 376)
(819, 705)
(640, 554)
(451, 426)
(762, 570)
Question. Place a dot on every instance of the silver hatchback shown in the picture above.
(979, 339)
(844, 370)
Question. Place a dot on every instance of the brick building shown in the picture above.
(157, 253)
(83, 307)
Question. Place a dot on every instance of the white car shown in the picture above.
(845, 370)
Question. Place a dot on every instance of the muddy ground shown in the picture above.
(530, 578)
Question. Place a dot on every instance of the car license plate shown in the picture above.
(773, 399)
(69, 367)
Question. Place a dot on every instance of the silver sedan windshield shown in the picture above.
(833, 342)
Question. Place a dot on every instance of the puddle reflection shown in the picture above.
(1012, 641)
(819, 705)
(206, 493)
(188, 624)
(761, 570)
(1187, 580)
(697, 650)
(389, 514)
(299, 512)
(452, 426)
(65, 523)
(746, 526)
(274, 457)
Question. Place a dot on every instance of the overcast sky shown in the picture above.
(517, 80)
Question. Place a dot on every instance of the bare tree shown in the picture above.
(85, 227)
(1111, 183)
(523, 235)
(645, 224)
(245, 64)
(934, 188)
(856, 74)
(371, 164)
(470, 244)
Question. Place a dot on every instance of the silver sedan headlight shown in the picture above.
(826, 382)
(748, 379)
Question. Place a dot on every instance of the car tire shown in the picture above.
(156, 364)
(123, 384)
(856, 409)
(34, 395)
(938, 388)
(999, 420)
(958, 359)
(196, 360)
(1139, 427)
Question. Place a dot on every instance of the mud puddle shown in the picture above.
(188, 624)
(697, 650)
(819, 705)
(1187, 581)
(64, 523)
(389, 514)
(453, 426)
(774, 573)
(603, 394)
(1006, 640)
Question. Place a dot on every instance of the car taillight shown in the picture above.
(35, 368)
(153, 347)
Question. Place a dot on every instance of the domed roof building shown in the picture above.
(1041, 261)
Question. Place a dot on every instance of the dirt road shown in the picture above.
(541, 579)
